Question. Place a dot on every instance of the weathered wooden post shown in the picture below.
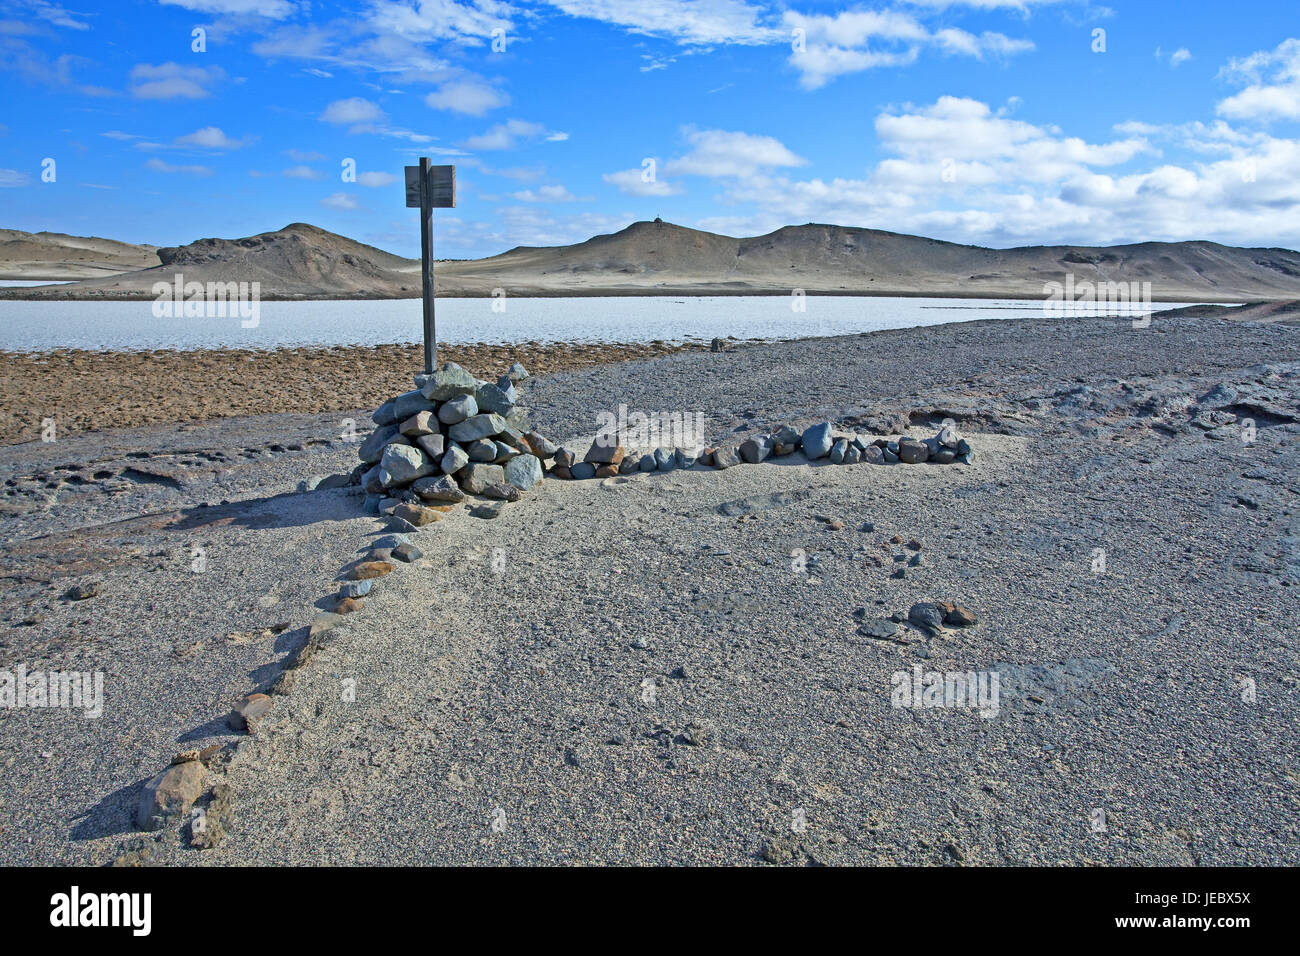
(429, 188)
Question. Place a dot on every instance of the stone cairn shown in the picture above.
(454, 435)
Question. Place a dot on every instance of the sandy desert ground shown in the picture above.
(680, 667)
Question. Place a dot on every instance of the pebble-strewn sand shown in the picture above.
(85, 390)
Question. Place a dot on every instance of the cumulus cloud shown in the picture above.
(472, 97)
(511, 134)
(1273, 90)
(170, 81)
(340, 201)
(158, 166)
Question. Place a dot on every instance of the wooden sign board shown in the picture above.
(442, 187)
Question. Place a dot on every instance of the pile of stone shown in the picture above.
(452, 435)
(819, 441)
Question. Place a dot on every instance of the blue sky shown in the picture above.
(997, 122)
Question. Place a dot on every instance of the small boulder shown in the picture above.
(450, 381)
(441, 488)
(756, 449)
(911, 451)
(167, 798)
(454, 460)
(249, 711)
(483, 425)
(475, 478)
(524, 472)
(817, 441)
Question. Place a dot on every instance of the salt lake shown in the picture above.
(42, 326)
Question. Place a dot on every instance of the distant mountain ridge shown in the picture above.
(659, 258)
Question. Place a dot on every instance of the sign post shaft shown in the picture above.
(426, 263)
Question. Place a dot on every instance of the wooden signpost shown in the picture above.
(429, 188)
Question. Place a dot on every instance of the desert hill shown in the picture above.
(59, 257)
(648, 258)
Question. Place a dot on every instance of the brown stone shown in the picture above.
(600, 454)
(418, 515)
(954, 615)
(371, 569)
(170, 795)
(561, 471)
(421, 423)
(348, 605)
(607, 471)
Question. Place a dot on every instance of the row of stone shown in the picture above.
(817, 442)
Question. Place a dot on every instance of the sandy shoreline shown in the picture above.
(87, 390)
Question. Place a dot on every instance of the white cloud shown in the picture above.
(1274, 84)
(471, 97)
(169, 81)
(510, 134)
(353, 110)
(340, 201)
(1179, 56)
(158, 166)
(211, 137)
(376, 179)
(303, 172)
(688, 21)
(852, 41)
(545, 194)
(10, 178)
(271, 9)
(718, 152)
(631, 183)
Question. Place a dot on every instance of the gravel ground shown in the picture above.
(669, 669)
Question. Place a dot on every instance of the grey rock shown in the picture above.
(948, 436)
(489, 510)
(891, 458)
(435, 446)
(456, 410)
(944, 456)
(647, 463)
(817, 441)
(665, 460)
(481, 450)
(449, 382)
(408, 403)
(785, 440)
(453, 460)
(911, 451)
(477, 476)
(880, 630)
(402, 464)
(524, 472)
(385, 414)
(356, 589)
(756, 449)
(725, 456)
(478, 426)
(583, 470)
(874, 455)
(491, 398)
(441, 488)
(407, 552)
(853, 455)
(838, 450)
(504, 453)
(686, 459)
(629, 464)
(564, 457)
(517, 373)
(372, 449)
(503, 492)
(927, 616)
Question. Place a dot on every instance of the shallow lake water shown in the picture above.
(40, 326)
